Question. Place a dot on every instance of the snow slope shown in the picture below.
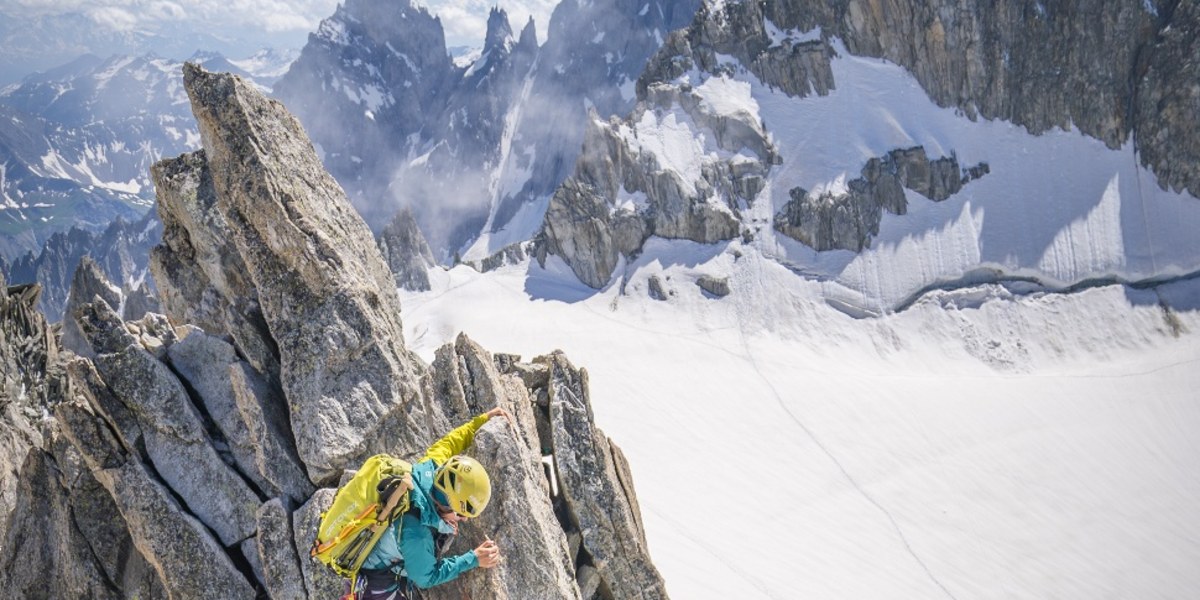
(1059, 208)
(977, 445)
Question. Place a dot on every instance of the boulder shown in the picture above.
(176, 439)
(277, 552)
(236, 398)
(188, 560)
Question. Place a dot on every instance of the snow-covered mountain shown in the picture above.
(864, 342)
(77, 142)
(476, 148)
(752, 133)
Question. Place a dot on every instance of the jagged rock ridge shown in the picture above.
(120, 252)
(201, 442)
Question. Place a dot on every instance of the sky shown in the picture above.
(464, 20)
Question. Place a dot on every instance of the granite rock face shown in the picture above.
(627, 188)
(87, 283)
(31, 381)
(169, 464)
(326, 294)
(1039, 66)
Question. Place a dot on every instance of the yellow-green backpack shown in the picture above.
(376, 496)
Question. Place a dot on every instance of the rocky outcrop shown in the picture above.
(187, 481)
(30, 382)
(172, 428)
(203, 279)
(625, 189)
(170, 539)
(847, 219)
(63, 523)
(717, 286)
(87, 283)
(240, 403)
(796, 65)
(331, 308)
(601, 508)
(405, 251)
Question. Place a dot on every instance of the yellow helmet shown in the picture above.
(465, 484)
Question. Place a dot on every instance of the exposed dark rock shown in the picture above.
(508, 255)
(1112, 71)
(655, 288)
(849, 220)
(621, 194)
(717, 286)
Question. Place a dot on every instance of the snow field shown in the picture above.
(977, 445)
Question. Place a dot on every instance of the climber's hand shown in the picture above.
(488, 554)
(499, 412)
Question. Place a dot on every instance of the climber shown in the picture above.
(448, 488)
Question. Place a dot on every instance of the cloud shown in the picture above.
(166, 11)
(112, 17)
(465, 21)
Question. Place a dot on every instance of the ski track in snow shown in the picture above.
(749, 356)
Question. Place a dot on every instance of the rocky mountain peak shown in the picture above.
(499, 33)
(528, 39)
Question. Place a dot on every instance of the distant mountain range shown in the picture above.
(77, 141)
(33, 43)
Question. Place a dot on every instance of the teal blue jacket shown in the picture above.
(411, 539)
